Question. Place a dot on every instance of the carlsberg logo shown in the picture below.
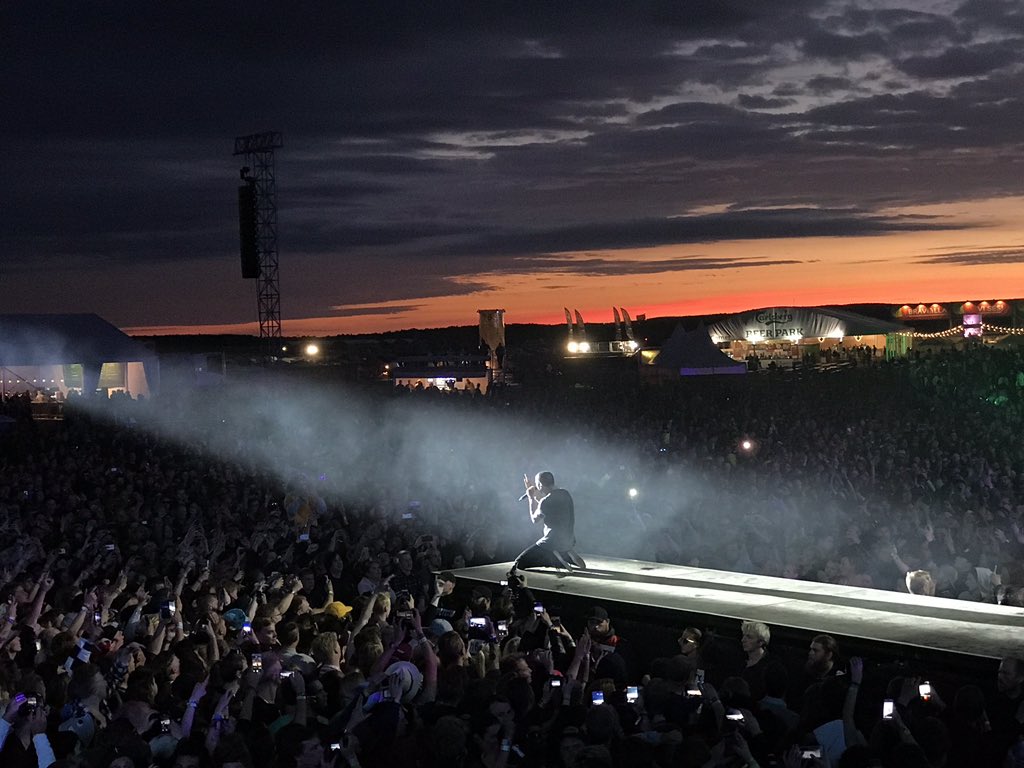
(775, 316)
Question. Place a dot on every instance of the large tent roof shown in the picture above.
(63, 339)
(693, 353)
(801, 322)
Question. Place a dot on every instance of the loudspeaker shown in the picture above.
(248, 228)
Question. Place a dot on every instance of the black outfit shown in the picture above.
(555, 547)
(755, 675)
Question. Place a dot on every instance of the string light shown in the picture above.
(1001, 329)
(958, 331)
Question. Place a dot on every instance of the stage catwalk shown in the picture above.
(953, 626)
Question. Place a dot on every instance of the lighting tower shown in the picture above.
(258, 150)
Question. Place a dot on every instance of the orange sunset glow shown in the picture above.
(889, 269)
(690, 159)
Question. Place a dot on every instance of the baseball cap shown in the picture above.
(481, 591)
(410, 676)
(235, 618)
(338, 609)
(597, 613)
(439, 627)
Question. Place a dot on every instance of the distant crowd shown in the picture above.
(165, 605)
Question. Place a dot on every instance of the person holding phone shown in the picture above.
(553, 508)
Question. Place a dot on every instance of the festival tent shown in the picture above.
(692, 353)
(795, 323)
(64, 352)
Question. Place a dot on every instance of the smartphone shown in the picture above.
(502, 629)
(39, 645)
(29, 707)
(698, 677)
(538, 608)
(810, 752)
(556, 682)
(924, 690)
(694, 692)
(111, 547)
(735, 715)
(167, 609)
(597, 697)
(632, 693)
(887, 709)
(304, 536)
(165, 725)
(335, 747)
(97, 617)
(247, 627)
(479, 622)
(256, 662)
(286, 673)
(408, 516)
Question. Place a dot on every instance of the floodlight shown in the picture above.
(584, 346)
(312, 350)
(573, 347)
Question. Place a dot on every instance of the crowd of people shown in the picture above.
(168, 605)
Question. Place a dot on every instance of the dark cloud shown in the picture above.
(977, 258)
(763, 102)
(960, 62)
(605, 267)
(828, 45)
(423, 143)
(396, 309)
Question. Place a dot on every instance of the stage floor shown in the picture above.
(955, 626)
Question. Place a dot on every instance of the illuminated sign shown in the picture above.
(922, 311)
(985, 308)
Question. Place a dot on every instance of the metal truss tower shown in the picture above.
(258, 150)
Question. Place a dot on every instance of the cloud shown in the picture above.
(990, 256)
(425, 146)
(395, 309)
(598, 267)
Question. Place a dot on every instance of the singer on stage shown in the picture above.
(553, 507)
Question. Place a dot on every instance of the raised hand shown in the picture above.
(856, 669)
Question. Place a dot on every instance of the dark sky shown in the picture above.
(445, 156)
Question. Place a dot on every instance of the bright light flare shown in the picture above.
(573, 347)
(747, 445)
(312, 350)
(633, 493)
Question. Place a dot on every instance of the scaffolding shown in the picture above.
(258, 150)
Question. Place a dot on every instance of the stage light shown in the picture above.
(312, 350)
(633, 493)
(573, 347)
(632, 345)
(284, 349)
(584, 346)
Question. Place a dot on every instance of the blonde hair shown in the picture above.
(322, 646)
(757, 629)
